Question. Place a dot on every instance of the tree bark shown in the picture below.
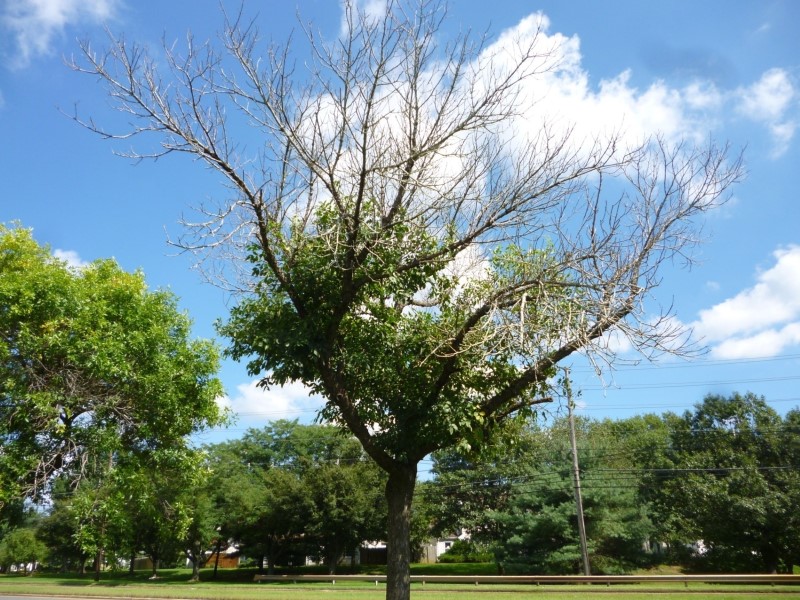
(98, 563)
(399, 494)
(216, 560)
(194, 556)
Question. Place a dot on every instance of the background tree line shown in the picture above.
(713, 489)
(280, 494)
(725, 474)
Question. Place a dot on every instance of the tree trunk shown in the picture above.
(98, 563)
(771, 560)
(195, 558)
(399, 494)
(333, 554)
(331, 565)
(216, 560)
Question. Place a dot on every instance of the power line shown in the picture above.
(694, 364)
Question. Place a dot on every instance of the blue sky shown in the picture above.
(728, 69)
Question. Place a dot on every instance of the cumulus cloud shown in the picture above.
(34, 24)
(769, 101)
(70, 257)
(561, 92)
(252, 402)
(761, 321)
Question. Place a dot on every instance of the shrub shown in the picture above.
(466, 551)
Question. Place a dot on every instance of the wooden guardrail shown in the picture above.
(546, 579)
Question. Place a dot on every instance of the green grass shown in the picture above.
(237, 584)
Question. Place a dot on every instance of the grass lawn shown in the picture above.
(236, 584)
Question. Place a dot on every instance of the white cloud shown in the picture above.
(767, 101)
(34, 24)
(762, 320)
(764, 344)
(372, 10)
(561, 92)
(252, 402)
(71, 257)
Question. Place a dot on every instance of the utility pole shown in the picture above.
(576, 476)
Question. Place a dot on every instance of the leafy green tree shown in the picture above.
(289, 445)
(91, 361)
(347, 508)
(346, 502)
(21, 547)
(278, 524)
(159, 507)
(263, 507)
(416, 257)
(13, 514)
(201, 532)
(57, 531)
(648, 444)
(735, 486)
(521, 500)
(234, 492)
(467, 486)
(290, 488)
(97, 509)
(540, 528)
(790, 447)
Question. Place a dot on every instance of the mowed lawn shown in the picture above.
(237, 584)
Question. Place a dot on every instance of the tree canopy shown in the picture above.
(297, 489)
(418, 245)
(737, 483)
(91, 362)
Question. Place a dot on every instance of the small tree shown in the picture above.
(201, 532)
(420, 251)
(57, 531)
(21, 547)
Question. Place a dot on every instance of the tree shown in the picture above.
(735, 483)
(91, 363)
(21, 547)
(261, 505)
(57, 531)
(202, 529)
(790, 446)
(347, 508)
(159, 506)
(421, 253)
(524, 505)
(297, 488)
(467, 486)
(648, 446)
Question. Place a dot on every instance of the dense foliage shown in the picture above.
(92, 363)
(714, 489)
